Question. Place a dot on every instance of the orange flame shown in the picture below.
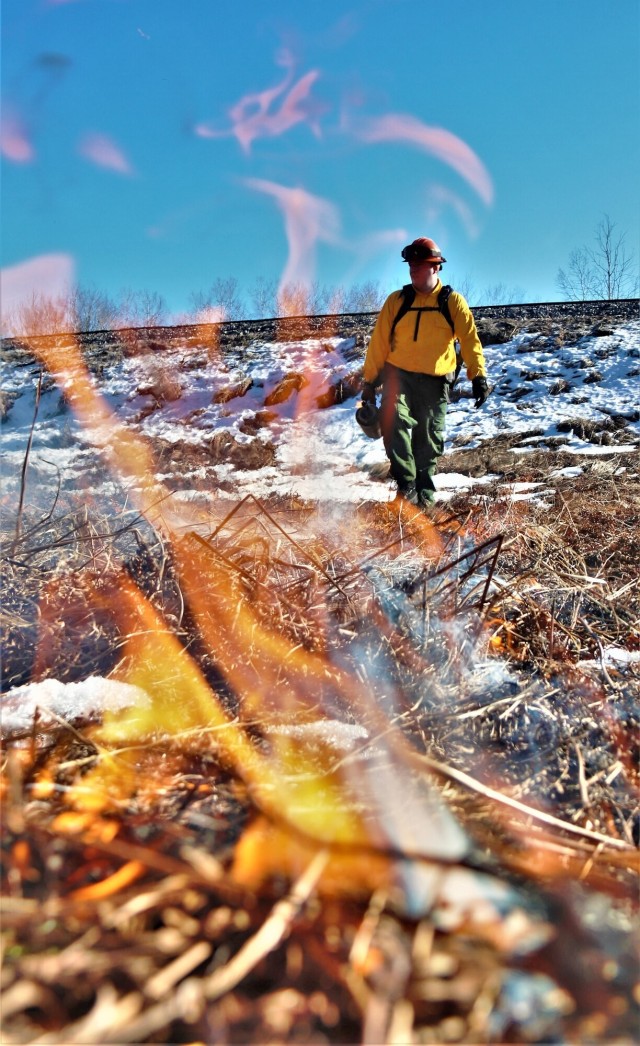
(15, 143)
(312, 796)
(401, 127)
(104, 152)
(440, 198)
(253, 117)
(127, 455)
(295, 792)
(45, 276)
(308, 220)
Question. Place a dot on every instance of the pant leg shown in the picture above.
(398, 424)
(430, 397)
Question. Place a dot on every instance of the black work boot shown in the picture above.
(409, 494)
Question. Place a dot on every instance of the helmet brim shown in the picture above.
(433, 261)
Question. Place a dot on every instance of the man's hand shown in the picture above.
(480, 390)
(368, 394)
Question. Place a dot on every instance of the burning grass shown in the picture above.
(368, 777)
(452, 862)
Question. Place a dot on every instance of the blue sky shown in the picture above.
(157, 144)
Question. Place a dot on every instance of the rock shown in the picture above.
(7, 399)
(255, 454)
(495, 332)
(559, 386)
(260, 420)
(341, 390)
(285, 388)
(230, 392)
(163, 389)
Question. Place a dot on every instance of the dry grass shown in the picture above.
(473, 649)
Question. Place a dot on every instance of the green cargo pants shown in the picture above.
(413, 413)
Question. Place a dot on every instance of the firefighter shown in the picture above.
(412, 353)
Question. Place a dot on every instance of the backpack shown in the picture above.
(408, 293)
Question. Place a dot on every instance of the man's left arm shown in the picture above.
(464, 327)
(470, 347)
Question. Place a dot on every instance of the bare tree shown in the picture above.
(607, 270)
(616, 269)
(264, 295)
(293, 300)
(92, 310)
(40, 314)
(466, 288)
(500, 294)
(577, 281)
(364, 297)
(141, 309)
(336, 297)
(324, 299)
(85, 309)
(223, 295)
(313, 299)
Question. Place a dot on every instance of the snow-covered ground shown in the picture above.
(185, 401)
(222, 425)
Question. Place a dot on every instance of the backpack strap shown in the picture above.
(443, 303)
(408, 294)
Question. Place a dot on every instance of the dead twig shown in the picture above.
(472, 783)
(270, 934)
(25, 464)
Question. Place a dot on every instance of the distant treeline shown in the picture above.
(86, 308)
(604, 270)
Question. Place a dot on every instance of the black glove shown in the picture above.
(480, 390)
(368, 394)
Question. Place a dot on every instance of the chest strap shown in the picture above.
(408, 293)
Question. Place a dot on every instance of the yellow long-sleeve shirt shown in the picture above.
(423, 342)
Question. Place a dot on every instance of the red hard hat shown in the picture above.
(423, 249)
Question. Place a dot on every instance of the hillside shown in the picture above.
(286, 762)
(230, 409)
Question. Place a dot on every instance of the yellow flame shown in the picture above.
(307, 798)
(293, 789)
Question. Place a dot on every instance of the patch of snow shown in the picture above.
(51, 699)
(592, 450)
(612, 657)
(339, 735)
(570, 472)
